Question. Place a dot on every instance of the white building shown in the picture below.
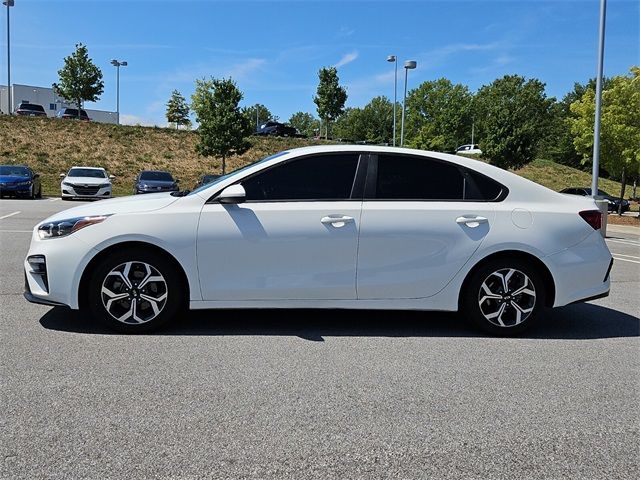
(49, 100)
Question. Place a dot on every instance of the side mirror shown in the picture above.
(177, 180)
(111, 177)
(62, 175)
(232, 195)
(36, 175)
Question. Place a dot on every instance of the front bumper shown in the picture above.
(13, 189)
(85, 193)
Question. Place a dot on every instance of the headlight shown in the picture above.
(62, 228)
(67, 184)
(105, 185)
(28, 182)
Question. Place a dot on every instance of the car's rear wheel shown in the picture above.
(135, 291)
(504, 297)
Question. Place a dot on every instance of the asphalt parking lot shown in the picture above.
(303, 394)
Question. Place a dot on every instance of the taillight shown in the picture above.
(593, 218)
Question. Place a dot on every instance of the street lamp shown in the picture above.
(408, 65)
(118, 64)
(8, 3)
(595, 171)
(394, 59)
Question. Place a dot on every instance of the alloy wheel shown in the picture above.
(134, 292)
(507, 297)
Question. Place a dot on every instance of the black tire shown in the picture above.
(32, 193)
(106, 275)
(519, 312)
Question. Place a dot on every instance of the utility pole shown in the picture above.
(9, 4)
(596, 127)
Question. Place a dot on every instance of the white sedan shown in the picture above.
(85, 183)
(350, 227)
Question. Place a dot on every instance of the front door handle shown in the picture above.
(336, 221)
(472, 221)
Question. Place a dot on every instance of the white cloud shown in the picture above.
(243, 70)
(127, 119)
(346, 58)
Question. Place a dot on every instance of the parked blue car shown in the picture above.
(18, 180)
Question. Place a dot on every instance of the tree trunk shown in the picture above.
(79, 107)
(623, 182)
(224, 165)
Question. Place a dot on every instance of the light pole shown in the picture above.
(118, 64)
(9, 3)
(596, 127)
(394, 59)
(408, 65)
(257, 117)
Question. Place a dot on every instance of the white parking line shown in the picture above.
(635, 243)
(9, 215)
(625, 259)
(15, 231)
(628, 256)
(55, 199)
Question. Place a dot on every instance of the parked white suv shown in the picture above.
(470, 149)
(86, 183)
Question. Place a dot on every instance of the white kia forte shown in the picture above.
(328, 227)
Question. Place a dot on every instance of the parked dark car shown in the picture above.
(18, 180)
(277, 129)
(154, 181)
(614, 202)
(205, 179)
(72, 114)
(30, 110)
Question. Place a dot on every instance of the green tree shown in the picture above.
(351, 126)
(557, 143)
(263, 115)
(223, 129)
(619, 129)
(79, 79)
(512, 115)
(330, 97)
(439, 116)
(305, 123)
(178, 110)
(373, 123)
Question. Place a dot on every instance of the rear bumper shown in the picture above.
(581, 272)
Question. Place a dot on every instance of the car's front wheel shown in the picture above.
(504, 297)
(135, 291)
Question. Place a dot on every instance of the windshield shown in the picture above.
(156, 176)
(87, 172)
(31, 106)
(11, 170)
(224, 177)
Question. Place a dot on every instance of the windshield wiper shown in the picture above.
(180, 193)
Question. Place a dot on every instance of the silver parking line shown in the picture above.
(9, 215)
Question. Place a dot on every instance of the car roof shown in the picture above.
(154, 171)
(87, 168)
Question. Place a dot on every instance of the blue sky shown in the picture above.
(273, 49)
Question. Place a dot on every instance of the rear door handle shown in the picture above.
(472, 221)
(336, 221)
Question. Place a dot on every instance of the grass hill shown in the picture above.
(51, 146)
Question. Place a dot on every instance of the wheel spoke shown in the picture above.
(498, 315)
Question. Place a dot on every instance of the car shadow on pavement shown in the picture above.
(574, 322)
